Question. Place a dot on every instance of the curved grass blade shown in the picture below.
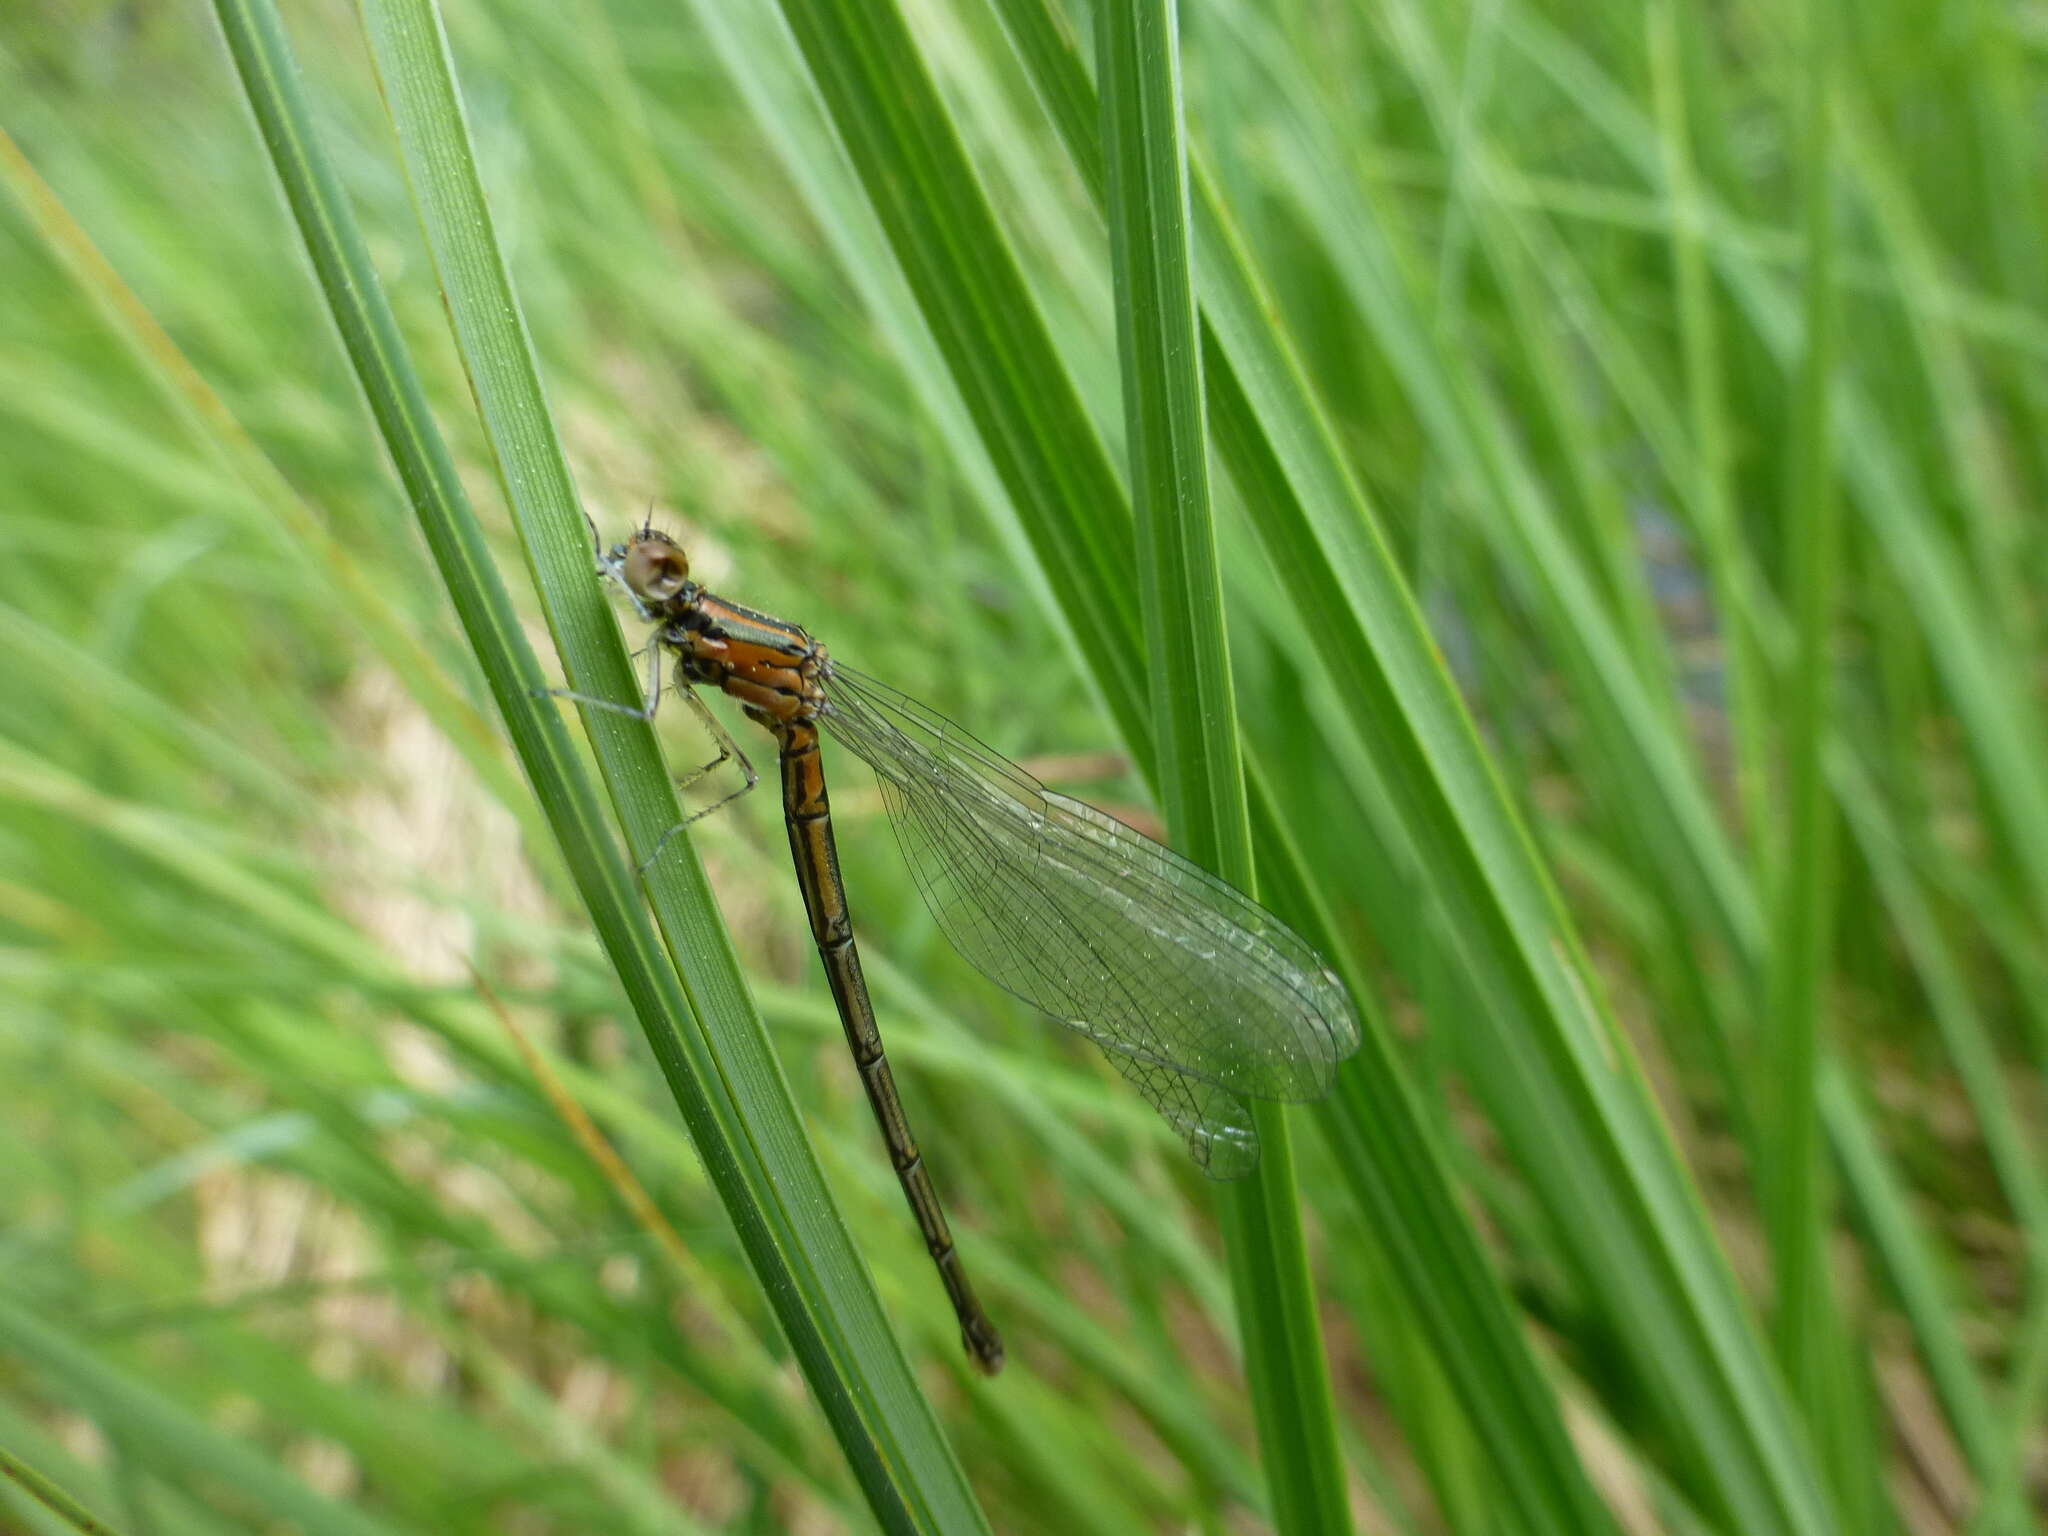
(704, 1032)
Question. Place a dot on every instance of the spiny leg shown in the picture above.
(652, 651)
(728, 750)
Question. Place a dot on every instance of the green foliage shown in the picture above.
(1631, 692)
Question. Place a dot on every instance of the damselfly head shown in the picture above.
(651, 564)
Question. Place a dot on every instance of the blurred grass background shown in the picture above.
(295, 1235)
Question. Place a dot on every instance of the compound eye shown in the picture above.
(655, 569)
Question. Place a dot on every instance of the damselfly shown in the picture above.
(1200, 997)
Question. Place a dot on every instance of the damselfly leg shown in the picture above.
(729, 751)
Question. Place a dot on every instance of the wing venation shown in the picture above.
(1200, 997)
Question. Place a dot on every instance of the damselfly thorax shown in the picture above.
(769, 666)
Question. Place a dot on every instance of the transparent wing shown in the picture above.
(1200, 996)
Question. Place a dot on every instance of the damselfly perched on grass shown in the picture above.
(1199, 996)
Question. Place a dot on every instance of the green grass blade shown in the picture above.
(1674, 1289)
(1511, 924)
(167, 1434)
(1200, 779)
(262, 486)
(2004, 726)
(1791, 1175)
(1910, 1268)
(883, 102)
(1902, 1246)
(705, 1034)
(1878, 478)
(1283, 459)
(1706, 413)
(1403, 1184)
(20, 1474)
